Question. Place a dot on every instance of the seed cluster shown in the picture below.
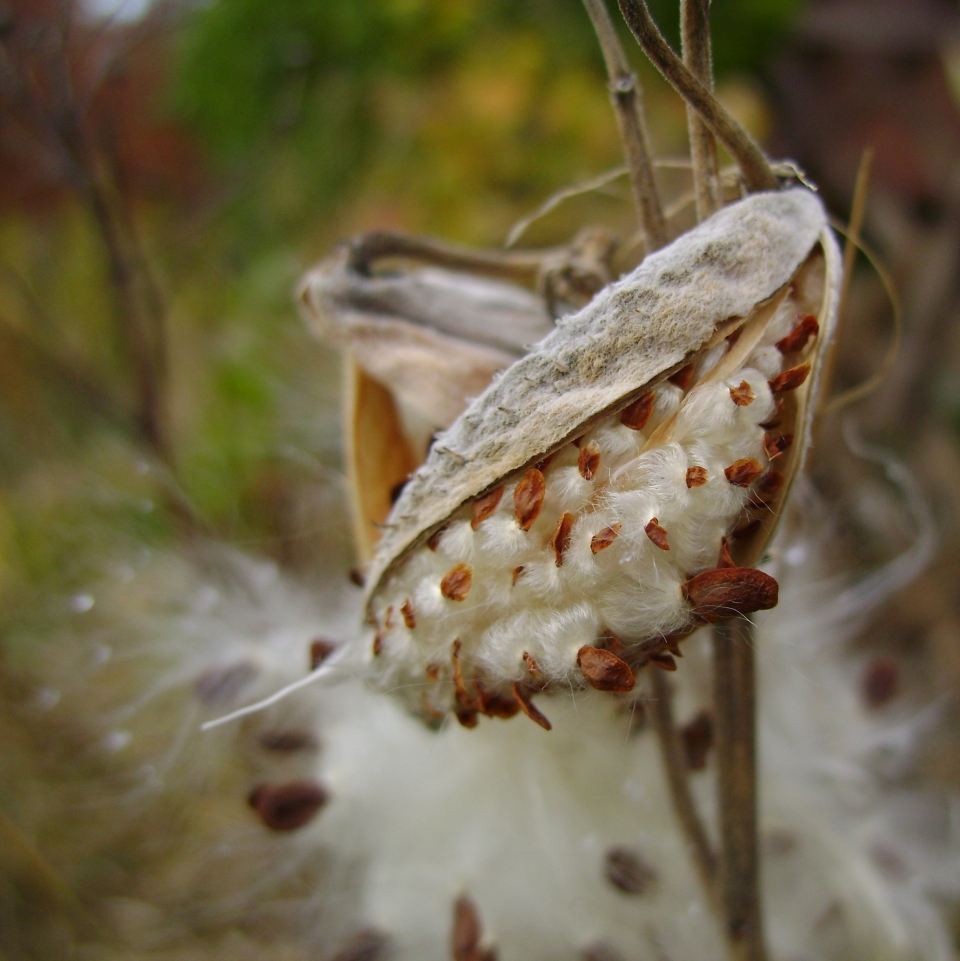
(593, 562)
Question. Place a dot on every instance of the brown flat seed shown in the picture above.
(432, 672)
(320, 649)
(409, 618)
(604, 670)
(683, 377)
(366, 945)
(465, 937)
(588, 462)
(771, 482)
(517, 571)
(664, 661)
(530, 662)
(600, 542)
(774, 446)
(356, 577)
(561, 537)
(638, 413)
(657, 534)
(725, 592)
(725, 560)
(289, 741)
(790, 379)
(456, 582)
(743, 472)
(484, 506)
(796, 340)
(377, 644)
(494, 704)
(545, 463)
(529, 708)
(609, 642)
(286, 807)
(697, 739)
(880, 682)
(528, 498)
(742, 395)
(388, 618)
(696, 476)
(433, 542)
(626, 870)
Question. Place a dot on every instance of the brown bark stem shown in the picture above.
(695, 37)
(675, 766)
(625, 94)
(734, 702)
(754, 166)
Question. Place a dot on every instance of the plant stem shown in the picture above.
(628, 106)
(675, 764)
(695, 36)
(754, 166)
(734, 702)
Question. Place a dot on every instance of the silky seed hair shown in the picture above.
(592, 558)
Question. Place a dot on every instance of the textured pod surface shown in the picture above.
(620, 481)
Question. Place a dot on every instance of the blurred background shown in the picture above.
(168, 170)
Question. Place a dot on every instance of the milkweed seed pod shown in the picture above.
(613, 488)
(420, 345)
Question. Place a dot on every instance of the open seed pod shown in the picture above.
(612, 489)
(419, 345)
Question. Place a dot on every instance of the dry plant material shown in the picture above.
(797, 339)
(522, 696)
(286, 807)
(626, 870)
(652, 394)
(409, 618)
(790, 379)
(484, 506)
(695, 476)
(528, 498)
(657, 534)
(605, 671)
(776, 444)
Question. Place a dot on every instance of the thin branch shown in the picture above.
(675, 765)
(734, 703)
(628, 106)
(753, 163)
(695, 37)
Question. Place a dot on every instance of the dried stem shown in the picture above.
(695, 36)
(734, 701)
(628, 106)
(754, 166)
(675, 764)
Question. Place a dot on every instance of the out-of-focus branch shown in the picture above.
(628, 106)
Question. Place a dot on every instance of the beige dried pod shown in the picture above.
(690, 383)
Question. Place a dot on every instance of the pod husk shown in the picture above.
(632, 335)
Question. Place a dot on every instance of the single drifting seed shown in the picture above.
(683, 376)
(484, 506)
(529, 708)
(408, 616)
(286, 807)
(638, 413)
(626, 870)
(657, 534)
(456, 582)
(790, 379)
(605, 538)
(604, 670)
(725, 592)
(561, 537)
(742, 395)
(696, 476)
(797, 339)
(320, 650)
(743, 472)
(528, 498)
(588, 462)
